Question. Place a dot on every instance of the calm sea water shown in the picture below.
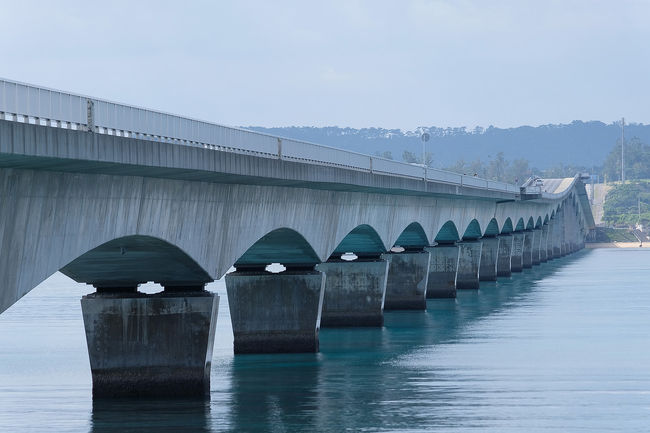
(562, 347)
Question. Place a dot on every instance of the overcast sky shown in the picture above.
(393, 64)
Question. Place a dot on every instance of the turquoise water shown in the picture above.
(562, 347)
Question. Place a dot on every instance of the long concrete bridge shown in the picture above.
(116, 196)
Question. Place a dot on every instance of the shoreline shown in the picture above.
(616, 245)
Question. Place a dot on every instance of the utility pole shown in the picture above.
(623, 150)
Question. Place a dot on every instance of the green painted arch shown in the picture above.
(362, 240)
(546, 219)
(413, 236)
(492, 229)
(448, 233)
(552, 214)
(473, 230)
(131, 260)
(538, 223)
(520, 225)
(507, 226)
(284, 245)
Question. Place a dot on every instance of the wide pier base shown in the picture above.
(443, 265)
(469, 262)
(354, 293)
(150, 345)
(489, 258)
(505, 252)
(275, 313)
(516, 259)
(406, 285)
(527, 255)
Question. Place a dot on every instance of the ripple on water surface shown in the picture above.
(561, 347)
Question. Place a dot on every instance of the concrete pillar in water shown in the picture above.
(537, 241)
(354, 292)
(516, 259)
(558, 228)
(543, 245)
(443, 265)
(550, 254)
(150, 345)
(406, 286)
(505, 253)
(275, 313)
(489, 258)
(469, 263)
(527, 254)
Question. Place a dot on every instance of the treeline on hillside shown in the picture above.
(497, 168)
(621, 207)
(637, 161)
(545, 146)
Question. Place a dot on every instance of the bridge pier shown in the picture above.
(406, 285)
(443, 265)
(505, 253)
(537, 241)
(543, 247)
(469, 262)
(516, 259)
(557, 238)
(275, 313)
(354, 292)
(527, 253)
(489, 258)
(156, 345)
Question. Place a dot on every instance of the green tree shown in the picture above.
(637, 161)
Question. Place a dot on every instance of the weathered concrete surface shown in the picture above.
(516, 260)
(537, 241)
(275, 313)
(489, 258)
(150, 345)
(443, 265)
(543, 245)
(505, 253)
(66, 194)
(354, 293)
(406, 286)
(527, 253)
(469, 262)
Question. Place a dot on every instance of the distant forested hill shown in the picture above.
(578, 143)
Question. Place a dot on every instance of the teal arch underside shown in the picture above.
(492, 228)
(132, 260)
(447, 234)
(413, 236)
(520, 225)
(473, 230)
(284, 246)
(538, 224)
(363, 240)
(507, 226)
(531, 224)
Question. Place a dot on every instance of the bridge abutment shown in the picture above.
(150, 345)
(354, 292)
(443, 265)
(516, 259)
(489, 258)
(469, 262)
(406, 285)
(275, 313)
(505, 253)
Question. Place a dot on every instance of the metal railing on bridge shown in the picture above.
(33, 104)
